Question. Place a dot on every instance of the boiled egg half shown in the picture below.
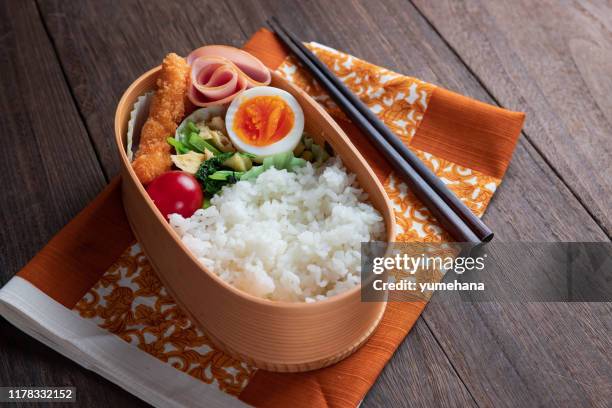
(265, 121)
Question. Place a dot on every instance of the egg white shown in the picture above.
(287, 143)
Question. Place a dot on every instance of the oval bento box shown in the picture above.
(276, 336)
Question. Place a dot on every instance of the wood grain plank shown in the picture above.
(58, 169)
(74, 44)
(525, 355)
(430, 382)
(496, 373)
(50, 169)
(394, 35)
(51, 172)
(391, 34)
(532, 204)
(553, 60)
(105, 45)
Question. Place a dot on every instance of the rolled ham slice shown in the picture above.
(219, 73)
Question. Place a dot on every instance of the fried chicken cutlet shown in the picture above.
(166, 112)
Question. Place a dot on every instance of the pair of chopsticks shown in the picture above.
(454, 216)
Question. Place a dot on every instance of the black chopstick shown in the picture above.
(449, 220)
(483, 232)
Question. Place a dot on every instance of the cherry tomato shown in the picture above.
(176, 192)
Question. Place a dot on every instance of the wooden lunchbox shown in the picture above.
(277, 336)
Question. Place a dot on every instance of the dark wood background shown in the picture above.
(65, 64)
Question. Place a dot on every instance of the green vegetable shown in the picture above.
(178, 145)
(253, 173)
(307, 141)
(212, 176)
(202, 145)
(208, 168)
(184, 133)
(187, 130)
(319, 154)
(280, 161)
(283, 161)
(226, 175)
(191, 128)
(308, 150)
(214, 137)
(206, 203)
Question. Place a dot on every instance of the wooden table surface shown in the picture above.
(65, 64)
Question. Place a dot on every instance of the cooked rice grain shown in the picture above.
(285, 236)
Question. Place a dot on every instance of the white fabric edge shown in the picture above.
(155, 382)
(325, 47)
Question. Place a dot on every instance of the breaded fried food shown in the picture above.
(166, 112)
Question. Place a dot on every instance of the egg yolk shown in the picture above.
(263, 120)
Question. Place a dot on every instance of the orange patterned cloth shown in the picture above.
(467, 144)
(130, 301)
(401, 102)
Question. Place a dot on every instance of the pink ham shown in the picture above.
(219, 73)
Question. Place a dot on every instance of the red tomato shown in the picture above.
(176, 192)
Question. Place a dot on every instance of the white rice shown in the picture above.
(286, 236)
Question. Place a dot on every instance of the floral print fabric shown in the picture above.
(130, 301)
